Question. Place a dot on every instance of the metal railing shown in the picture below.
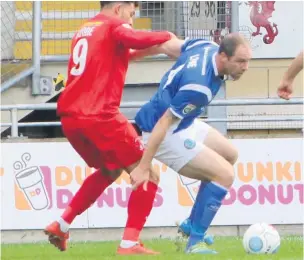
(14, 124)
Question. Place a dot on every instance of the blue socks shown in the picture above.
(201, 188)
(208, 201)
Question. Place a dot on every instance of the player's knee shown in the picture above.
(227, 177)
(233, 155)
(230, 154)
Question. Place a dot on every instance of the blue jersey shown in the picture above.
(186, 89)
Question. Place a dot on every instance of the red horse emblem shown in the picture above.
(259, 18)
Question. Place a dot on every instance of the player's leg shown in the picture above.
(185, 153)
(140, 202)
(139, 208)
(224, 152)
(220, 174)
(221, 145)
(91, 188)
(88, 193)
(83, 136)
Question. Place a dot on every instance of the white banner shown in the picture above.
(274, 28)
(39, 179)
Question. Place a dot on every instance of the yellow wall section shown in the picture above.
(23, 49)
(64, 6)
(51, 25)
(70, 25)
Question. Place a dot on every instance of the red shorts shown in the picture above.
(112, 144)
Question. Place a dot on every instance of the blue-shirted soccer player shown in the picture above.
(173, 135)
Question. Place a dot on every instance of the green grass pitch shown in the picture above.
(229, 248)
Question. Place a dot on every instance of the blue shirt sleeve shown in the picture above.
(190, 99)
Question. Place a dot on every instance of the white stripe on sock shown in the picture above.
(127, 243)
(219, 185)
(64, 226)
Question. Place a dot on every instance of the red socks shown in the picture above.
(90, 190)
(139, 208)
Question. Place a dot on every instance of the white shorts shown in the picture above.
(180, 148)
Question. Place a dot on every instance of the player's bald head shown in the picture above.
(106, 4)
(231, 42)
(234, 55)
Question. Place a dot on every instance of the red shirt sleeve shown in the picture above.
(134, 39)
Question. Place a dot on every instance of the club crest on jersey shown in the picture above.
(189, 144)
(188, 109)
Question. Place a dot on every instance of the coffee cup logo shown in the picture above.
(30, 182)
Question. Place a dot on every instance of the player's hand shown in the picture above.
(140, 176)
(285, 89)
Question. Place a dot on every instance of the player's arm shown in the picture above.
(188, 98)
(171, 48)
(140, 54)
(285, 88)
(295, 67)
(137, 40)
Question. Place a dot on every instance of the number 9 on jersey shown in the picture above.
(79, 56)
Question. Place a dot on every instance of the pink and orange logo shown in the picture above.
(275, 182)
(45, 187)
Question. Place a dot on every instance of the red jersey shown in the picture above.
(98, 64)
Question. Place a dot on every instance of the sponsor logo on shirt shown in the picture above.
(188, 109)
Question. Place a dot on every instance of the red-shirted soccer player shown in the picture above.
(91, 121)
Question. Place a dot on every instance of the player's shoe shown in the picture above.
(200, 248)
(138, 249)
(56, 237)
(185, 228)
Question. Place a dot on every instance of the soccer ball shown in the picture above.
(261, 238)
